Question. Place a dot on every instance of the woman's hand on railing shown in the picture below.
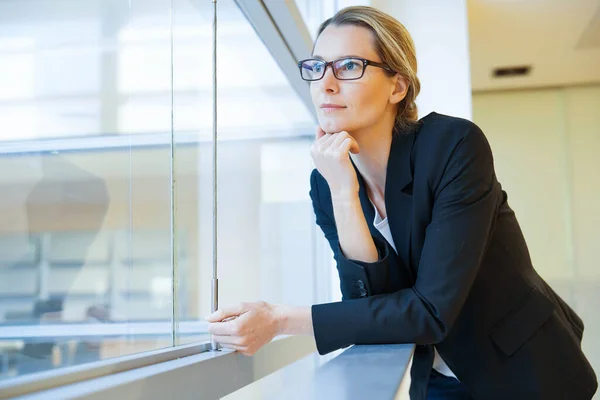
(245, 327)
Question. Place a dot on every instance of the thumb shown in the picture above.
(226, 312)
(354, 147)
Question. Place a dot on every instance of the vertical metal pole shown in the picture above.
(215, 280)
(173, 227)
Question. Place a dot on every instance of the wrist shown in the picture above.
(281, 314)
(344, 196)
(293, 320)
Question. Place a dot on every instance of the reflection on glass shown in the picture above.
(85, 221)
(86, 242)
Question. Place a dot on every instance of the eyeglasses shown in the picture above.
(346, 69)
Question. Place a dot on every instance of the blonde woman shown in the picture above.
(427, 248)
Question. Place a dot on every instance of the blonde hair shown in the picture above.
(395, 47)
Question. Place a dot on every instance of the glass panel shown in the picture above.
(85, 235)
(265, 216)
(85, 223)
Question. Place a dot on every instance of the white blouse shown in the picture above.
(382, 226)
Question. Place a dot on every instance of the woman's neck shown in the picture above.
(372, 161)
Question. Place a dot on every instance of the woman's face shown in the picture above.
(366, 101)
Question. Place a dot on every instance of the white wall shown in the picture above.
(440, 32)
(546, 145)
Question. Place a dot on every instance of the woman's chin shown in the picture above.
(332, 126)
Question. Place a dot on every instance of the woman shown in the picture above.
(427, 248)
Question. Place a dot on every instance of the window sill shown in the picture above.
(181, 372)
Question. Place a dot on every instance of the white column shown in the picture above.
(439, 29)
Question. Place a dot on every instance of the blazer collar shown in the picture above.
(399, 173)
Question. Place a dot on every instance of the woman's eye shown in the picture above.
(349, 65)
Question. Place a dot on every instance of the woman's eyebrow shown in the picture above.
(345, 56)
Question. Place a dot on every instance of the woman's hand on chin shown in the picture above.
(331, 155)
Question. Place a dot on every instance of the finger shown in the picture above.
(223, 328)
(349, 145)
(343, 137)
(345, 146)
(229, 340)
(326, 140)
(241, 349)
(226, 312)
(338, 139)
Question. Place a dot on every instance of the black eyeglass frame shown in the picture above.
(330, 63)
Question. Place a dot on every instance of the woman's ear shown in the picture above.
(400, 90)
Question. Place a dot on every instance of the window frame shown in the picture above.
(281, 27)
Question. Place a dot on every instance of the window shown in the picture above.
(100, 119)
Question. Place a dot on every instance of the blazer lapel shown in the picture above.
(367, 206)
(398, 195)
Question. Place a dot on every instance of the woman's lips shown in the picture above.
(331, 109)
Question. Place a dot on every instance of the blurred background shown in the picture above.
(106, 159)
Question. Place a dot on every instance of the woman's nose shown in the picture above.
(329, 81)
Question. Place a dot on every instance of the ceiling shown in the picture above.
(559, 39)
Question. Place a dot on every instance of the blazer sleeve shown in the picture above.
(357, 278)
(464, 210)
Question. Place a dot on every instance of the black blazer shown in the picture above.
(462, 279)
